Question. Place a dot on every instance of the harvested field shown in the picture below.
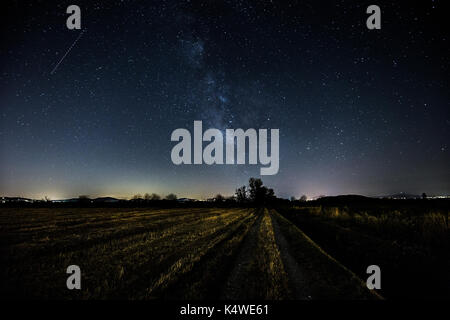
(194, 253)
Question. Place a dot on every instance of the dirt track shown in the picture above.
(268, 267)
(238, 276)
(241, 284)
(297, 282)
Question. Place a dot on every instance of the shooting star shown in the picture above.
(68, 50)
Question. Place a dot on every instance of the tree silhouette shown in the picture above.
(255, 189)
(171, 197)
(155, 197)
(137, 197)
(241, 194)
(260, 194)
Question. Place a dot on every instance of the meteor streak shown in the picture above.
(67, 52)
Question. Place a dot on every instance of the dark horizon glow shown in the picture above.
(359, 111)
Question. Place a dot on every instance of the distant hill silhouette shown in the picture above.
(402, 195)
(15, 199)
(106, 199)
(344, 199)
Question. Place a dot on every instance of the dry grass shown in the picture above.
(121, 252)
(270, 263)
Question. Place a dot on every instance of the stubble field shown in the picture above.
(191, 253)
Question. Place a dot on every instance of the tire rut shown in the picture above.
(296, 276)
(233, 287)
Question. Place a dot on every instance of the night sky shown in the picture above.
(359, 111)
